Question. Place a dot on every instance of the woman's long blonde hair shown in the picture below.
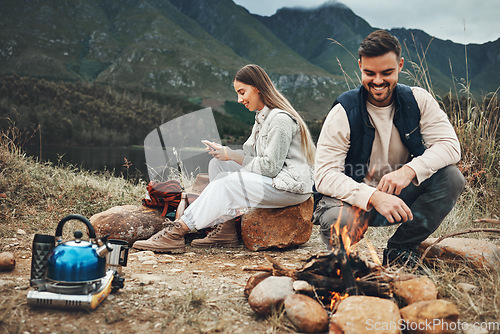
(255, 76)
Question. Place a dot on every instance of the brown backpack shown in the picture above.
(166, 195)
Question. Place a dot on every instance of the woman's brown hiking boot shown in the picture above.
(223, 235)
(168, 240)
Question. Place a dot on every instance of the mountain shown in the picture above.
(309, 33)
(145, 43)
(192, 48)
(329, 36)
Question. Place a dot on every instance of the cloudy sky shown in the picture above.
(444, 19)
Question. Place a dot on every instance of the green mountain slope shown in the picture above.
(245, 35)
(192, 48)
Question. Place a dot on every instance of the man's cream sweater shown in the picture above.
(388, 151)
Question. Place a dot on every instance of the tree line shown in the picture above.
(90, 114)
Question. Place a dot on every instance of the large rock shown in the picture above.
(269, 294)
(128, 222)
(281, 228)
(430, 317)
(306, 314)
(415, 290)
(474, 252)
(362, 314)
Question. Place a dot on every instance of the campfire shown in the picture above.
(322, 293)
(339, 273)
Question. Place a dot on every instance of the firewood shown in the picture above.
(258, 268)
(322, 282)
(323, 271)
(7, 261)
(281, 270)
(374, 288)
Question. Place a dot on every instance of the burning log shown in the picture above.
(324, 272)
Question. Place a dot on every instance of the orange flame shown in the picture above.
(353, 232)
(336, 298)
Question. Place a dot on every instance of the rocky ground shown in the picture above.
(200, 291)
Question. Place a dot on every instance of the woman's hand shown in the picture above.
(224, 153)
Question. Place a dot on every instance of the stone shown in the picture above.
(475, 328)
(474, 252)
(415, 290)
(277, 228)
(147, 278)
(7, 261)
(253, 281)
(467, 288)
(302, 286)
(269, 294)
(176, 294)
(306, 314)
(128, 222)
(430, 317)
(363, 314)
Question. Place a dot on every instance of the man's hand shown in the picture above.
(393, 208)
(394, 182)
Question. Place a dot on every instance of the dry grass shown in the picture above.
(37, 195)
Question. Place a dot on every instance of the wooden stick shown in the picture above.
(487, 221)
(279, 269)
(261, 268)
(7, 261)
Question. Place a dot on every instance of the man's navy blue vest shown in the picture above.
(406, 119)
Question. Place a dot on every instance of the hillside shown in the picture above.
(192, 48)
(74, 113)
(308, 32)
(154, 45)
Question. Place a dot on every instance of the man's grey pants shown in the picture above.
(430, 203)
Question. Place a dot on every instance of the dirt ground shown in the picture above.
(200, 291)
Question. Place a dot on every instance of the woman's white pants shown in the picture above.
(231, 189)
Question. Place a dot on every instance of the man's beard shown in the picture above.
(379, 98)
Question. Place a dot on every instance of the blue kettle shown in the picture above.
(77, 260)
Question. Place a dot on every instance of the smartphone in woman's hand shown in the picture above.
(211, 145)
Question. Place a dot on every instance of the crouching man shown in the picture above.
(387, 151)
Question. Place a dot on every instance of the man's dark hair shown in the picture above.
(378, 43)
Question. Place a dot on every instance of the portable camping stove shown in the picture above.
(82, 295)
(75, 274)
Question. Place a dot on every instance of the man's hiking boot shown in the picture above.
(223, 235)
(408, 258)
(168, 240)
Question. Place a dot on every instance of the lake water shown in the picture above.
(114, 159)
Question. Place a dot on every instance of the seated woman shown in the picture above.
(273, 170)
